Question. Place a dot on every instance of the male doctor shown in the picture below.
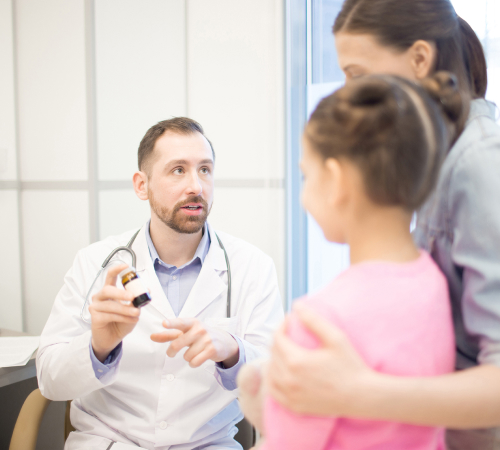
(134, 378)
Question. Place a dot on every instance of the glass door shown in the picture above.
(325, 260)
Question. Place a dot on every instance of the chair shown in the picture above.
(28, 422)
(246, 434)
(68, 428)
(30, 418)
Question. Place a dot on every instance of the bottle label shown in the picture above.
(135, 287)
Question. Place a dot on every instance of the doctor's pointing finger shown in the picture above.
(202, 341)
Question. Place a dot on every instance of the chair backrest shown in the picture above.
(28, 422)
(68, 428)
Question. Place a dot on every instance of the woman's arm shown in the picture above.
(333, 380)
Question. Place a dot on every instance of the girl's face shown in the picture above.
(321, 190)
(361, 54)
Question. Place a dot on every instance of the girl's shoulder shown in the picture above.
(375, 285)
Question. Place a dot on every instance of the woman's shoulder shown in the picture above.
(481, 132)
(476, 154)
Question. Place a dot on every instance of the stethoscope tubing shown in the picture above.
(128, 248)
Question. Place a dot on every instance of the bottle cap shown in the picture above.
(125, 271)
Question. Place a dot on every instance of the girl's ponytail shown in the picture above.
(443, 89)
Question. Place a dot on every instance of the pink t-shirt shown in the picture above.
(398, 318)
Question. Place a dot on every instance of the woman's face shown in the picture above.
(361, 54)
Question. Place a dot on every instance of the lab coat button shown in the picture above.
(170, 377)
(174, 277)
(163, 425)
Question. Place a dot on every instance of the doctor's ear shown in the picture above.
(140, 181)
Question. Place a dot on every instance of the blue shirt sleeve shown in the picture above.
(228, 376)
(110, 363)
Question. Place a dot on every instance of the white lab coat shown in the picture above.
(150, 399)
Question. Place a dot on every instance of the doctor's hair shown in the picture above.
(395, 131)
(179, 125)
(400, 23)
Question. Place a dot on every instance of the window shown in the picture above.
(484, 17)
(313, 72)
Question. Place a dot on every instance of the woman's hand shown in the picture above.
(251, 394)
(334, 380)
(326, 381)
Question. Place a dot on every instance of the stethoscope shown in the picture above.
(128, 248)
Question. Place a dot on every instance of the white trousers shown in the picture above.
(84, 441)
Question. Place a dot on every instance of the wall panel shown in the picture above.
(10, 267)
(121, 210)
(8, 169)
(140, 76)
(236, 83)
(55, 227)
(94, 75)
(50, 54)
(255, 215)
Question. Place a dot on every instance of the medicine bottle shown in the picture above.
(133, 284)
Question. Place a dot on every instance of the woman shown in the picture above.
(459, 226)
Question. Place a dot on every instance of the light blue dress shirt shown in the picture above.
(177, 283)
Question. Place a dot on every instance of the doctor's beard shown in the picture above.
(175, 219)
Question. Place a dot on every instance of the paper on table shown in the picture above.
(17, 351)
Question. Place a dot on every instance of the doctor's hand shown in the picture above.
(331, 380)
(113, 315)
(203, 342)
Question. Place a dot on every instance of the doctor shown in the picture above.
(133, 378)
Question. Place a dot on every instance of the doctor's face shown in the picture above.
(180, 181)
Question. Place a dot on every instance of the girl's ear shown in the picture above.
(336, 189)
(422, 58)
(140, 181)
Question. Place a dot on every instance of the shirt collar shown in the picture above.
(201, 251)
(482, 107)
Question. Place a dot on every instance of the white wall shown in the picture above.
(10, 263)
(89, 78)
(236, 87)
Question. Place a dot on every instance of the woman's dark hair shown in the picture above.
(397, 132)
(400, 23)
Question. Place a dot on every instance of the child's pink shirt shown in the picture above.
(398, 318)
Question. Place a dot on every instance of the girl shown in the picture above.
(372, 153)
(459, 226)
